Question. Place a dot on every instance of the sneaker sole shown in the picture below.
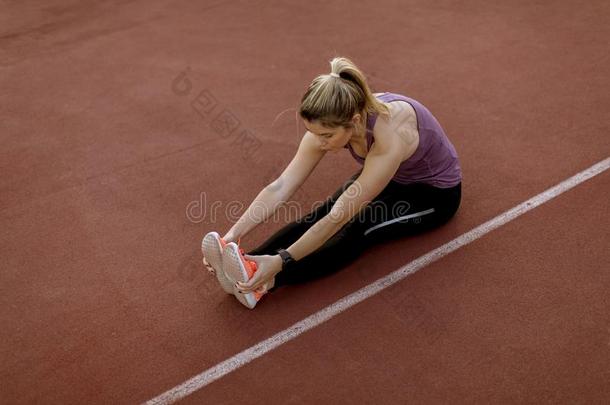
(235, 271)
(211, 247)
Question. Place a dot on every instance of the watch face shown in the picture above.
(284, 255)
(286, 258)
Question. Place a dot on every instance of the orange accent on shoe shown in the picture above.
(251, 268)
(250, 265)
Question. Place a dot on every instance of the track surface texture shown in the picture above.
(114, 165)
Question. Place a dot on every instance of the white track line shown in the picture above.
(208, 376)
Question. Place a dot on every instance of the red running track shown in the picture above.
(104, 298)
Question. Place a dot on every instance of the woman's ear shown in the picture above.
(357, 119)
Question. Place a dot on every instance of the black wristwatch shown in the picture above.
(286, 257)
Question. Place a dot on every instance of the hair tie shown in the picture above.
(334, 75)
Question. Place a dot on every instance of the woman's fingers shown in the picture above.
(208, 267)
(252, 284)
(262, 289)
(253, 258)
(245, 286)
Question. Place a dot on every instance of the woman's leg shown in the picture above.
(398, 211)
(290, 233)
(410, 210)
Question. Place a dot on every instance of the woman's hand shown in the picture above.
(267, 267)
(209, 267)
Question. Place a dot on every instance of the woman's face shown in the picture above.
(330, 138)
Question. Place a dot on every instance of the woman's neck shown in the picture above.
(360, 131)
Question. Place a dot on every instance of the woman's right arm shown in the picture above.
(279, 191)
(263, 206)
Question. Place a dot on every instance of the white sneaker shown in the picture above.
(238, 268)
(212, 246)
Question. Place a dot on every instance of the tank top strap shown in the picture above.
(370, 123)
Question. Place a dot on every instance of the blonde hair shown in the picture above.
(333, 99)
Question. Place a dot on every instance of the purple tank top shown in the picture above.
(435, 160)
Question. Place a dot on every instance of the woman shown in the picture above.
(410, 182)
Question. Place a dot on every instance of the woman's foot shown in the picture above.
(212, 246)
(238, 268)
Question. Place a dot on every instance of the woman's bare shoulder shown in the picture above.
(398, 130)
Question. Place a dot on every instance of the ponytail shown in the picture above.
(334, 98)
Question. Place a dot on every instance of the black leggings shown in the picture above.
(399, 210)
